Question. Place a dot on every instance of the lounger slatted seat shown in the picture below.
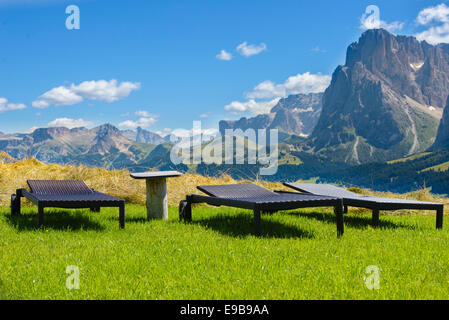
(376, 204)
(258, 199)
(67, 195)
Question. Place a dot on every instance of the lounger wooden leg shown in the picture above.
(440, 216)
(338, 209)
(41, 216)
(185, 211)
(345, 210)
(188, 212)
(15, 202)
(13, 205)
(257, 223)
(122, 216)
(375, 221)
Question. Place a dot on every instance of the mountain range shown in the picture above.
(104, 146)
(382, 123)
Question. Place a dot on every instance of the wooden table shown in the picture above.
(157, 207)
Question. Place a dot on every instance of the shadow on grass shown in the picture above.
(358, 222)
(62, 220)
(137, 220)
(242, 225)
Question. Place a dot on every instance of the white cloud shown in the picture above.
(391, 27)
(141, 122)
(300, 83)
(145, 114)
(101, 90)
(8, 106)
(69, 123)
(438, 13)
(60, 96)
(223, 55)
(437, 20)
(250, 50)
(267, 89)
(371, 20)
(267, 94)
(252, 106)
(146, 120)
(105, 91)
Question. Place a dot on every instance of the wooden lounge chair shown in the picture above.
(65, 194)
(258, 199)
(376, 204)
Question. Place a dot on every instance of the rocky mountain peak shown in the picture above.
(107, 130)
(43, 134)
(385, 102)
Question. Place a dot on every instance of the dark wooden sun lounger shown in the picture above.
(376, 204)
(67, 195)
(258, 199)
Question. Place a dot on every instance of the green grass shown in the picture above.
(439, 168)
(410, 158)
(216, 257)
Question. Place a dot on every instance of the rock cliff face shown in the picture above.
(385, 102)
(143, 136)
(294, 115)
(442, 140)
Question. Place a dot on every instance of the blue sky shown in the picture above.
(157, 63)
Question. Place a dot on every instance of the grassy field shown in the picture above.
(216, 257)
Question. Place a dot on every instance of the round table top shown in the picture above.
(156, 175)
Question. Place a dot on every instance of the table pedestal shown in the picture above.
(157, 207)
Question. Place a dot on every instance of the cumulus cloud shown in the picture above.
(69, 123)
(141, 122)
(252, 106)
(266, 94)
(101, 90)
(146, 120)
(437, 20)
(145, 114)
(300, 83)
(224, 55)
(249, 50)
(8, 106)
(371, 20)
(60, 96)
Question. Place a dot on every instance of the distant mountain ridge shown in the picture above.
(294, 115)
(143, 136)
(104, 145)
